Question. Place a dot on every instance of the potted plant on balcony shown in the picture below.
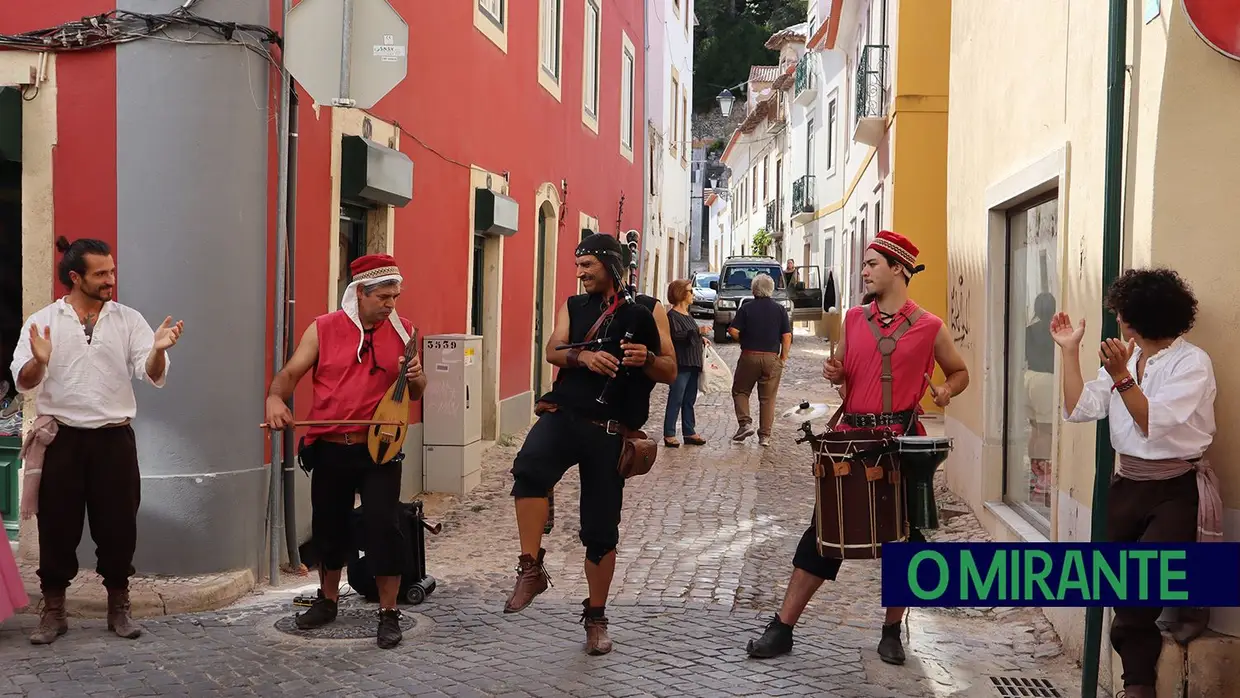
(762, 242)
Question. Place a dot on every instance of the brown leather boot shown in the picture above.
(118, 615)
(52, 620)
(597, 641)
(532, 580)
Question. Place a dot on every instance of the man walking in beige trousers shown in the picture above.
(764, 330)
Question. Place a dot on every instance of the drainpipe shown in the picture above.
(1113, 201)
(646, 162)
(290, 336)
(275, 524)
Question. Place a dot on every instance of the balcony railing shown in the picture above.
(774, 217)
(805, 84)
(803, 197)
(872, 82)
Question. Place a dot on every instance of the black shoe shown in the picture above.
(389, 628)
(890, 649)
(775, 640)
(320, 613)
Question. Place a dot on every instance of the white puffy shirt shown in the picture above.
(1179, 384)
(88, 385)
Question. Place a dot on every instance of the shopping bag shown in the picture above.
(716, 376)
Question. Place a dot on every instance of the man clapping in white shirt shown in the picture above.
(1158, 391)
(78, 356)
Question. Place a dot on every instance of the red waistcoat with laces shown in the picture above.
(863, 365)
(345, 388)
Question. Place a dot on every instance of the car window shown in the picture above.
(703, 280)
(741, 276)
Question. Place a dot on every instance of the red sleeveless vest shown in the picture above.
(912, 360)
(345, 388)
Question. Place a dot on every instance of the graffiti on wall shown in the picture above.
(959, 311)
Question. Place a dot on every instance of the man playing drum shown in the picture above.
(914, 340)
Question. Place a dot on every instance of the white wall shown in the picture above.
(669, 66)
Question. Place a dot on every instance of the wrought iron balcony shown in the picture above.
(871, 82)
(775, 218)
(803, 198)
(805, 88)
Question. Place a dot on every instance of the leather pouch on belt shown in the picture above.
(638, 454)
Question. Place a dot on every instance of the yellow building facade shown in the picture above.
(1024, 192)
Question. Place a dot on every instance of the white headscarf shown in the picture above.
(348, 304)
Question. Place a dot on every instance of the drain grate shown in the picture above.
(1024, 687)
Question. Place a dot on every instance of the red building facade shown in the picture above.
(483, 100)
(169, 152)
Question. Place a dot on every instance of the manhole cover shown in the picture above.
(351, 624)
(1024, 687)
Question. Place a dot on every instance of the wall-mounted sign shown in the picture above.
(1217, 22)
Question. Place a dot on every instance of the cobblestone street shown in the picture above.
(705, 552)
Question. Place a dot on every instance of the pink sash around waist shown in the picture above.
(1209, 502)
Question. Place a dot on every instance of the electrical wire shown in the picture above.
(122, 26)
(426, 146)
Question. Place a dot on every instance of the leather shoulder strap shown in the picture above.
(887, 346)
(611, 310)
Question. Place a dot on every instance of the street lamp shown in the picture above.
(725, 100)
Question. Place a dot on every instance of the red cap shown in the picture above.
(897, 246)
(373, 266)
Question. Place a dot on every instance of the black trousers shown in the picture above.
(556, 442)
(1161, 511)
(808, 559)
(89, 474)
(338, 473)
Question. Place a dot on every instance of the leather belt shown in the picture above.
(349, 439)
(611, 426)
(873, 421)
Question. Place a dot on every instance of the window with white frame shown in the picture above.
(494, 11)
(590, 81)
(809, 146)
(675, 132)
(684, 125)
(549, 48)
(832, 118)
(628, 77)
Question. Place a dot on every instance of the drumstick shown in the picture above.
(335, 422)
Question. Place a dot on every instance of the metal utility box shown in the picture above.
(452, 469)
(452, 412)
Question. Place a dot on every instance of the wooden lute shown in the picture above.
(386, 437)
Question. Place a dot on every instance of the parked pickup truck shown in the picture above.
(800, 293)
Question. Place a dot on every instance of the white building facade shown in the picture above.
(817, 147)
(669, 99)
(756, 155)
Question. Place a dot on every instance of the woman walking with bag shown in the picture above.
(687, 338)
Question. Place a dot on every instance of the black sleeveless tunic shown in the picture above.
(578, 389)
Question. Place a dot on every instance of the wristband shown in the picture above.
(1124, 385)
(573, 358)
(650, 359)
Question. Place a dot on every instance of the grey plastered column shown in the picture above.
(192, 153)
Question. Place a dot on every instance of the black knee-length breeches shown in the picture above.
(339, 472)
(559, 440)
